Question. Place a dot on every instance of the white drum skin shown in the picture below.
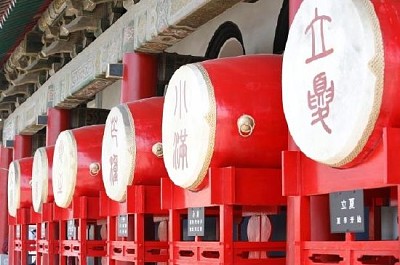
(19, 185)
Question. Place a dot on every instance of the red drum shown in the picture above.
(19, 185)
(132, 150)
(42, 188)
(340, 83)
(76, 164)
(224, 112)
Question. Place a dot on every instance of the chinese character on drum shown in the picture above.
(180, 160)
(60, 178)
(319, 99)
(114, 130)
(180, 150)
(324, 52)
(114, 157)
(180, 102)
(114, 169)
(322, 94)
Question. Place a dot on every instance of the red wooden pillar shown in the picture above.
(175, 232)
(22, 146)
(298, 228)
(139, 77)
(11, 253)
(111, 236)
(226, 232)
(319, 214)
(5, 160)
(58, 120)
(139, 237)
(82, 237)
(63, 233)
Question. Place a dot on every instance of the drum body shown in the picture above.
(76, 164)
(132, 151)
(42, 189)
(339, 82)
(19, 185)
(223, 112)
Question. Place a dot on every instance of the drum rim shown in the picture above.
(129, 129)
(68, 190)
(42, 179)
(16, 195)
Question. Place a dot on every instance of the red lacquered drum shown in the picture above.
(19, 185)
(224, 112)
(76, 164)
(42, 189)
(340, 78)
(132, 148)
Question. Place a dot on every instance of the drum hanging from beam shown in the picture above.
(19, 185)
(340, 78)
(223, 112)
(76, 164)
(132, 150)
(42, 189)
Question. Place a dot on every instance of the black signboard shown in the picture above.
(196, 221)
(71, 229)
(347, 211)
(123, 225)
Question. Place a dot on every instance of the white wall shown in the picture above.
(256, 21)
(108, 98)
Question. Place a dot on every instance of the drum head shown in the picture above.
(188, 126)
(40, 176)
(65, 168)
(118, 152)
(332, 78)
(14, 188)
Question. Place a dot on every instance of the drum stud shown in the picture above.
(157, 149)
(245, 125)
(94, 168)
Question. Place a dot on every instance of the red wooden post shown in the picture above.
(22, 146)
(63, 233)
(82, 238)
(5, 160)
(298, 227)
(58, 120)
(139, 237)
(139, 77)
(226, 224)
(111, 236)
